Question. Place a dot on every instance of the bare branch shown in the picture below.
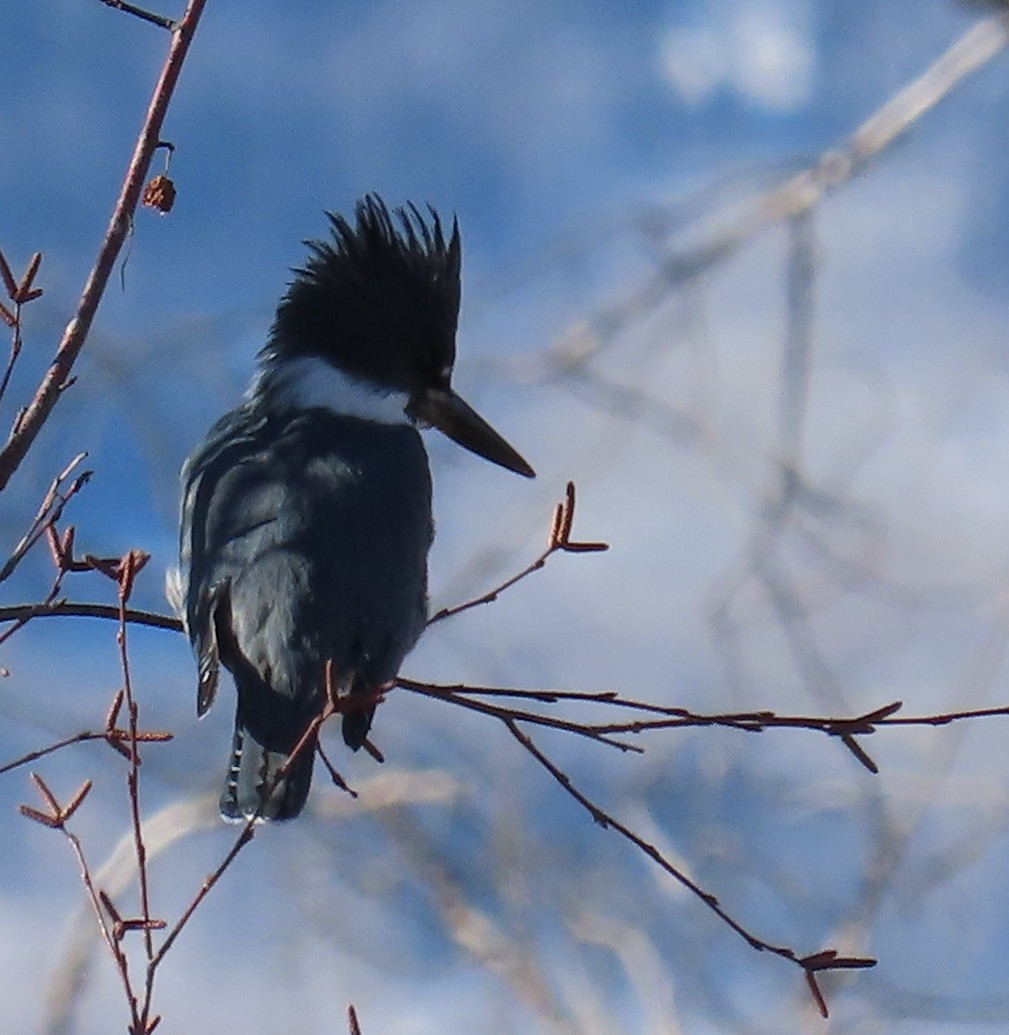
(792, 196)
(138, 12)
(559, 541)
(58, 374)
(49, 512)
(827, 959)
(68, 609)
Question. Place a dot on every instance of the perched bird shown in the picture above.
(306, 511)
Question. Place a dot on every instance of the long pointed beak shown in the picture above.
(446, 411)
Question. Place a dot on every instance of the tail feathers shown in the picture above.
(356, 724)
(251, 786)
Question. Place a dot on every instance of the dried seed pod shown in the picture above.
(160, 194)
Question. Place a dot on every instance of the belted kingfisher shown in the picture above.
(306, 511)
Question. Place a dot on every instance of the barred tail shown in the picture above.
(252, 786)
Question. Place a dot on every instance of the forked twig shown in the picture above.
(49, 512)
(55, 818)
(113, 735)
(845, 728)
(827, 959)
(19, 292)
(559, 542)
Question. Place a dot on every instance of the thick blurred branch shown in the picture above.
(795, 195)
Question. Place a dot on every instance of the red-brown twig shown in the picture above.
(124, 573)
(34, 756)
(19, 292)
(330, 707)
(58, 375)
(559, 541)
(827, 959)
(112, 735)
(844, 728)
(26, 427)
(55, 818)
(143, 1019)
(335, 777)
(61, 549)
(459, 695)
(245, 835)
(50, 511)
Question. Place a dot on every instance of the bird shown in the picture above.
(306, 518)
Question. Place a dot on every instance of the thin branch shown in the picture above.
(505, 714)
(248, 830)
(49, 512)
(19, 292)
(827, 959)
(55, 818)
(559, 541)
(112, 734)
(147, 16)
(845, 728)
(245, 835)
(491, 595)
(68, 609)
(34, 756)
(131, 565)
(58, 375)
(16, 343)
(113, 946)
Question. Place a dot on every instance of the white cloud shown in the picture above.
(763, 52)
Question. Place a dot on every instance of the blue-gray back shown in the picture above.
(304, 540)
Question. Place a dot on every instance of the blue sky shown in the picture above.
(579, 144)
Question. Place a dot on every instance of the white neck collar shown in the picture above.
(310, 383)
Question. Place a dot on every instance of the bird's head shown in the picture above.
(368, 327)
